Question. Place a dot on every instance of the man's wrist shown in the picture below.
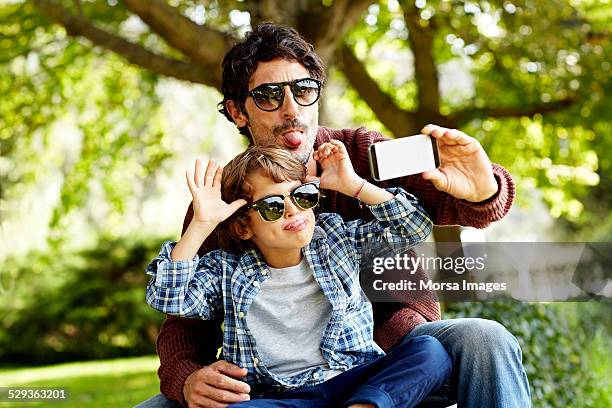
(186, 387)
(487, 197)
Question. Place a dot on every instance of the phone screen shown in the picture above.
(403, 157)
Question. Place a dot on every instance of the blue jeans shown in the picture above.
(487, 362)
(487, 368)
(401, 378)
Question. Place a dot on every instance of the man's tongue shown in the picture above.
(292, 139)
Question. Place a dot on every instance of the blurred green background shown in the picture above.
(105, 103)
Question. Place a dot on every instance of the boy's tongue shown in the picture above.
(292, 139)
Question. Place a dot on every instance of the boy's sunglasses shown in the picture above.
(272, 208)
(269, 97)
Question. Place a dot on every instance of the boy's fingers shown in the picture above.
(235, 206)
(319, 155)
(338, 144)
(218, 176)
(198, 173)
(210, 172)
(190, 184)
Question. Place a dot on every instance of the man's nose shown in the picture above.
(290, 108)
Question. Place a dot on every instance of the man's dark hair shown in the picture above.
(264, 43)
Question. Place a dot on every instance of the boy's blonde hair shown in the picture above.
(274, 162)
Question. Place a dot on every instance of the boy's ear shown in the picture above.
(241, 229)
(237, 115)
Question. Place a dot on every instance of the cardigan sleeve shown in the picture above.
(443, 208)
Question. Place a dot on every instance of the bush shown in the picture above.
(91, 305)
(565, 347)
(85, 305)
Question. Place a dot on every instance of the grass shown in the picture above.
(109, 383)
(129, 381)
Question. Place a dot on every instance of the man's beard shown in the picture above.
(305, 156)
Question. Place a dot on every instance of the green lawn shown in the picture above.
(108, 383)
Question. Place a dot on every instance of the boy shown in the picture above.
(287, 284)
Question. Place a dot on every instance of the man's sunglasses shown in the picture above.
(272, 208)
(269, 97)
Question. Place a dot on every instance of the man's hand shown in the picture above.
(215, 386)
(465, 169)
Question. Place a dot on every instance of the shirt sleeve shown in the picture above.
(188, 288)
(398, 224)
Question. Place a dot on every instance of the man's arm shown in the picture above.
(185, 346)
(393, 320)
(443, 208)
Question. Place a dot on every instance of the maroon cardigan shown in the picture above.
(186, 345)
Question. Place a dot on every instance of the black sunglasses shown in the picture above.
(269, 97)
(272, 208)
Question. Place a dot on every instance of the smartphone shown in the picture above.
(403, 156)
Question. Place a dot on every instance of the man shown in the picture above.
(271, 85)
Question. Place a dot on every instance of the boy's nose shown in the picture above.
(290, 208)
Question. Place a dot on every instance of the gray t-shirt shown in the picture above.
(287, 318)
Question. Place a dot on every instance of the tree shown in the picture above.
(540, 71)
(537, 98)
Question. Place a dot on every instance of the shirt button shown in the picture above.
(255, 361)
(315, 376)
(264, 272)
(256, 284)
(241, 315)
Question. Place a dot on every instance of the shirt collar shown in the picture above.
(251, 261)
(319, 233)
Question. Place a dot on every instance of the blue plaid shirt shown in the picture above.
(223, 283)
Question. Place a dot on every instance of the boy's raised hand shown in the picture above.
(205, 188)
(338, 173)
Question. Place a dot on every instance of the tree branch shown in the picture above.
(271, 11)
(463, 116)
(204, 46)
(425, 71)
(333, 23)
(398, 121)
(78, 26)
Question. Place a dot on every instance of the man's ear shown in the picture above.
(236, 113)
(241, 229)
